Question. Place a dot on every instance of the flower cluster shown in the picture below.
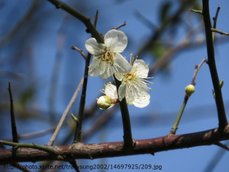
(108, 61)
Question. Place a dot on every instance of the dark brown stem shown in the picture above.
(78, 131)
(222, 119)
(128, 141)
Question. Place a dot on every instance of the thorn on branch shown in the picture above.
(216, 17)
(96, 18)
(12, 116)
(74, 165)
(222, 146)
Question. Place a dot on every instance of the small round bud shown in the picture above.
(104, 102)
(189, 89)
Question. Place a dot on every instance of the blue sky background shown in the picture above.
(167, 89)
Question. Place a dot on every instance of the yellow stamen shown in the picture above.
(108, 56)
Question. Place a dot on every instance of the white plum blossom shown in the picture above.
(110, 98)
(134, 84)
(107, 58)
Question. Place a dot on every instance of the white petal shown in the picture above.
(116, 40)
(95, 68)
(111, 91)
(141, 84)
(140, 68)
(131, 93)
(142, 101)
(122, 91)
(93, 47)
(107, 70)
(121, 65)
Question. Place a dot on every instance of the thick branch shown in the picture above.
(212, 66)
(114, 149)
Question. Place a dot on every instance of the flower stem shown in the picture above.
(128, 141)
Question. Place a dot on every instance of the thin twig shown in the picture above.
(197, 68)
(85, 20)
(78, 130)
(12, 116)
(64, 115)
(222, 119)
(219, 31)
(52, 97)
(158, 32)
(35, 134)
(145, 20)
(186, 98)
(80, 51)
(120, 26)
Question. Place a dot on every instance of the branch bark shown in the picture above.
(114, 149)
(212, 66)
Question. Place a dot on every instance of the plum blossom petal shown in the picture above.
(116, 39)
(93, 47)
(108, 58)
(134, 85)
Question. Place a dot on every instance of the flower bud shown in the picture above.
(104, 102)
(189, 89)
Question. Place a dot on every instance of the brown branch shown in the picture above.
(114, 149)
(78, 130)
(85, 20)
(222, 119)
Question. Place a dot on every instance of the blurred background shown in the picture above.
(37, 59)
